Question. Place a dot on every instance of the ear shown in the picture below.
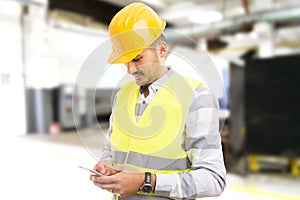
(163, 49)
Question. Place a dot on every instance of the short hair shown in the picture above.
(161, 37)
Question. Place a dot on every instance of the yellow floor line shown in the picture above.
(262, 193)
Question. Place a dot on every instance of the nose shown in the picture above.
(131, 67)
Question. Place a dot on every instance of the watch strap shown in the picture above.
(148, 177)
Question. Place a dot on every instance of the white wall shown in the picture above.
(12, 103)
(200, 65)
(71, 49)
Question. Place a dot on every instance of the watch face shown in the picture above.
(147, 188)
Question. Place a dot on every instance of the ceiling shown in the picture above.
(238, 16)
(176, 12)
(228, 38)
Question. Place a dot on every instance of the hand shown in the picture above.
(106, 168)
(122, 183)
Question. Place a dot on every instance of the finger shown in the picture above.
(93, 177)
(112, 170)
(105, 179)
(100, 168)
(107, 171)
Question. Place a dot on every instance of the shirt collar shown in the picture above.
(155, 86)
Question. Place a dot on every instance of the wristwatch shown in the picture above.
(146, 188)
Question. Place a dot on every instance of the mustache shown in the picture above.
(137, 72)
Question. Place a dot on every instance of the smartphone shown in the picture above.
(92, 171)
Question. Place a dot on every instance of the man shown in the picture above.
(163, 140)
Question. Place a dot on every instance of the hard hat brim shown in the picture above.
(116, 58)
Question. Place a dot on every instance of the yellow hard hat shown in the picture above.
(133, 29)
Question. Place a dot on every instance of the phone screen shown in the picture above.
(92, 171)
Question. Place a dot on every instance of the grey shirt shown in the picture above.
(201, 139)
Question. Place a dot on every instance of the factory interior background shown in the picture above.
(56, 89)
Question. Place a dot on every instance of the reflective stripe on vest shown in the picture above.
(157, 163)
(154, 142)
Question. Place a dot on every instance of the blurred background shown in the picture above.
(56, 90)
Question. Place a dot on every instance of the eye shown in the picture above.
(136, 59)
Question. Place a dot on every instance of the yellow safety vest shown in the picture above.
(154, 142)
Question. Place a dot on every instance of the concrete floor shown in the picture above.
(45, 166)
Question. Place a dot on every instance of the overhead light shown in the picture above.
(204, 17)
